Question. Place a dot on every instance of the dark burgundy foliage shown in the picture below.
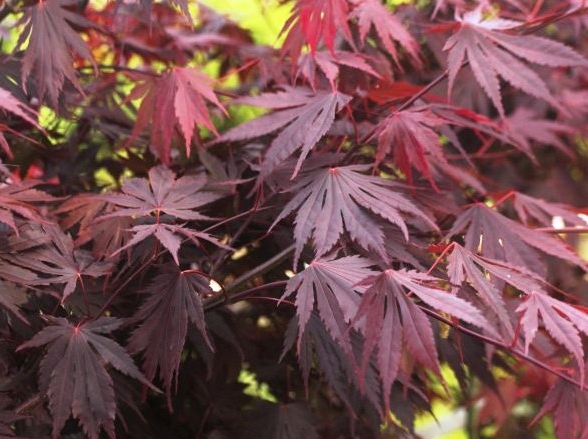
(394, 193)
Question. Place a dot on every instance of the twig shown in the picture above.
(501, 345)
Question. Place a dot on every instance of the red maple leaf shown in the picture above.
(17, 198)
(315, 20)
(329, 63)
(160, 196)
(332, 200)
(74, 376)
(173, 301)
(303, 117)
(498, 237)
(562, 321)
(490, 54)
(331, 283)
(48, 30)
(393, 320)
(569, 405)
(372, 13)
(58, 262)
(177, 99)
(12, 105)
(537, 211)
(409, 136)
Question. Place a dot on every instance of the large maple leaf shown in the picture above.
(332, 200)
(48, 29)
(372, 13)
(315, 20)
(490, 55)
(562, 321)
(74, 376)
(498, 237)
(173, 301)
(331, 283)
(303, 117)
(162, 194)
(392, 317)
(176, 99)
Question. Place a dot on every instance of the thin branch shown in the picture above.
(245, 294)
(505, 347)
(261, 269)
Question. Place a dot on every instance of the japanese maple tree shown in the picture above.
(382, 210)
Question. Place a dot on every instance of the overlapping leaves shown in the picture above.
(163, 194)
(393, 320)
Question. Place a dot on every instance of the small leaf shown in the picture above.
(173, 301)
(176, 99)
(48, 28)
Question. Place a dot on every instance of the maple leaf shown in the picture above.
(569, 405)
(490, 54)
(73, 372)
(329, 63)
(12, 105)
(330, 200)
(47, 27)
(169, 235)
(162, 194)
(304, 118)
(391, 317)
(332, 360)
(332, 284)
(107, 235)
(495, 236)
(410, 137)
(542, 212)
(372, 13)
(315, 20)
(523, 127)
(17, 198)
(175, 99)
(562, 321)
(60, 262)
(174, 300)
(464, 265)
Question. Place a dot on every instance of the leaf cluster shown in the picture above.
(390, 195)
